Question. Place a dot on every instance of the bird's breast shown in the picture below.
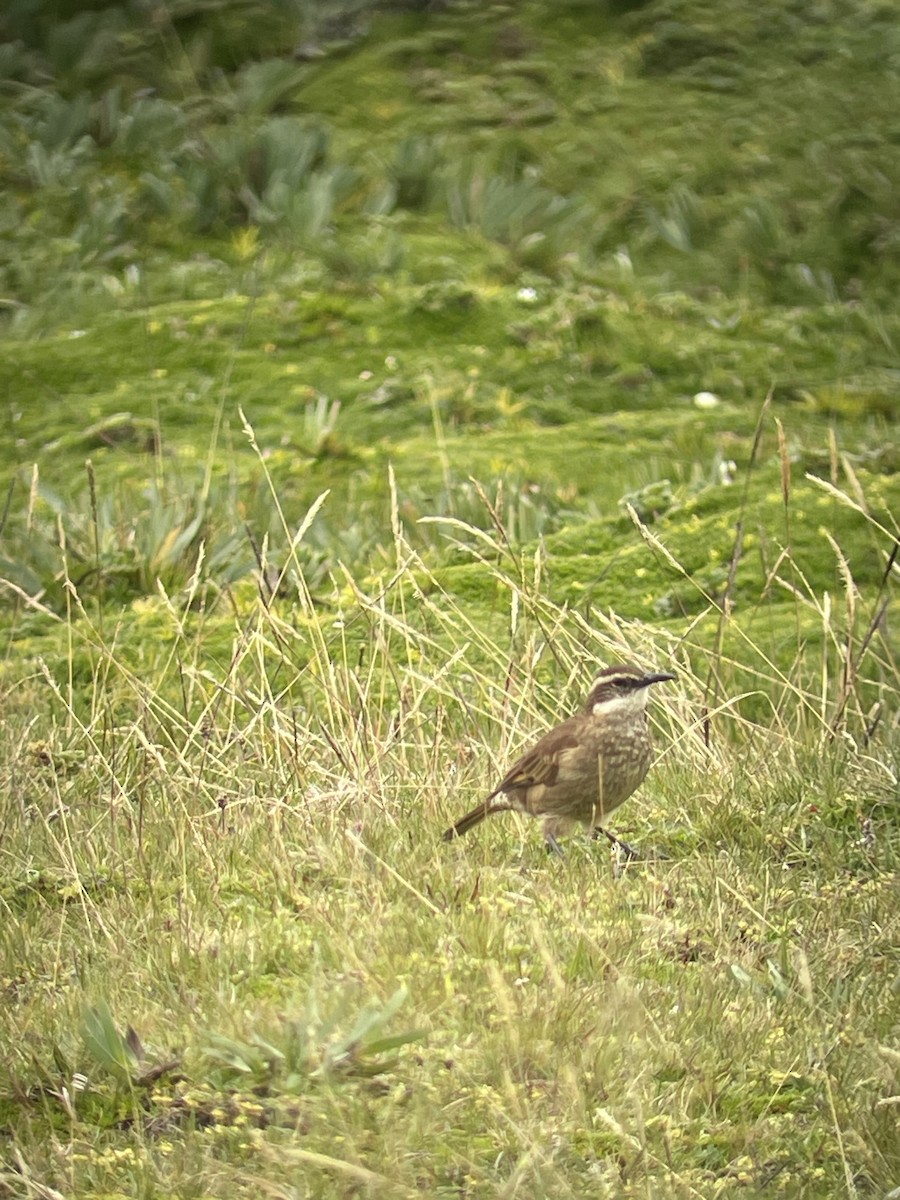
(614, 761)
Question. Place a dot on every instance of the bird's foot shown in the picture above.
(628, 852)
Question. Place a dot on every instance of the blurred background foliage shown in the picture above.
(751, 149)
(456, 238)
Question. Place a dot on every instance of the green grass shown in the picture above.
(222, 834)
(352, 418)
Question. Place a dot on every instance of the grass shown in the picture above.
(236, 950)
(351, 424)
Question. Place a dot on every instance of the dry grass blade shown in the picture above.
(326, 1162)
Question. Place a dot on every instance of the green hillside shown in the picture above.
(373, 373)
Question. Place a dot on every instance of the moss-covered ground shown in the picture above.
(371, 374)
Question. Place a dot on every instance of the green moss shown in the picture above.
(466, 274)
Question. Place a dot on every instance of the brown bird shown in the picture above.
(584, 768)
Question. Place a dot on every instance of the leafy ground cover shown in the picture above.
(372, 374)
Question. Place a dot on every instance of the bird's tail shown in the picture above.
(473, 818)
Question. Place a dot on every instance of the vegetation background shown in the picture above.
(372, 372)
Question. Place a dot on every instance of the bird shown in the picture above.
(583, 769)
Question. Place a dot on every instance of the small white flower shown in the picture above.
(365, 375)
(706, 400)
(527, 295)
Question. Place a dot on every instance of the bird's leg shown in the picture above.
(553, 846)
(629, 851)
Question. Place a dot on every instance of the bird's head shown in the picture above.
(622, 689)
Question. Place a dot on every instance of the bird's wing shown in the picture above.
(540, 764)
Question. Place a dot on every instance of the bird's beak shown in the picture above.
(656, 677)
